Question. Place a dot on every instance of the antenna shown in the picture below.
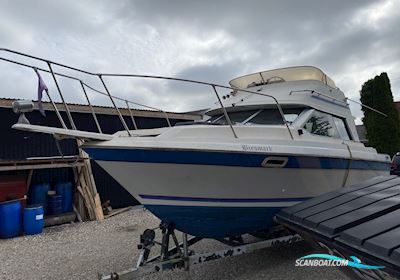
(368, 107)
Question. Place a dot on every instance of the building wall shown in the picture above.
(16, 145)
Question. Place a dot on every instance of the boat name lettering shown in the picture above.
(256, 148)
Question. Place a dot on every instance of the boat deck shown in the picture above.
(362, 220)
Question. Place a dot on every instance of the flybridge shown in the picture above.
(298, 73)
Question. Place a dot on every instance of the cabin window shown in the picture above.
(214, 118)
(341, 127)
(273, 117)
(292, 114)
(236, 117)
(321, 124)
(324, 124)
(257, 117)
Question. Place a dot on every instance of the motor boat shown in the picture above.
(277, 138)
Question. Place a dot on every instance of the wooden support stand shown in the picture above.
(87, 190)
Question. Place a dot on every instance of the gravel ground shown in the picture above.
(82, 250)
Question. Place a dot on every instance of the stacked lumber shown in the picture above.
(117, 211)
(88, 203)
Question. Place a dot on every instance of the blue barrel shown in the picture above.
(33, 219)
(38, 195)
(10, 219)
(65, 190)
(55, 204)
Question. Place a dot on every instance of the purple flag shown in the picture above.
(41, 87)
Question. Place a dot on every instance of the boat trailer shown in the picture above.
(359, 222)
(180, 256)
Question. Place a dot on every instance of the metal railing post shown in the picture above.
(262, 78)
(91, 108)
(115, 106)
(130, 112)
(54, 106)
(62, 97)
(166, 117)
(283, 118)
(225, 112)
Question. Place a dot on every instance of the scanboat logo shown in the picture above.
(330, 260)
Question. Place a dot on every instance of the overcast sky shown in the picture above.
(352, 41)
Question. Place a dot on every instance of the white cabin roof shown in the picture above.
(297, 73)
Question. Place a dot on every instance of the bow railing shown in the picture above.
(112, 98)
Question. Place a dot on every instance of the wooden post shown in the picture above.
(88, 186)
(87, 202)
(28, 181)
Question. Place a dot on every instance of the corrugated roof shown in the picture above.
(105, 110)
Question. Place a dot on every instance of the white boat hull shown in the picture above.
(215, 200)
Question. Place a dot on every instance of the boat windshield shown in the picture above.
(257, 117)
(299, 73)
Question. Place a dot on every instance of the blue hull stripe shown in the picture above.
(242, 159)
(202, 199)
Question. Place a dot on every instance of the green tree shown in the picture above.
(383, 133)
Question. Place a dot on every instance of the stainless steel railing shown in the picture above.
(336, 100)
(112, 98)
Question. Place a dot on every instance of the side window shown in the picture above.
(213, 118)
(236, 117)
(341, 128)
(274, 117)
(266, 117)
(321, 124)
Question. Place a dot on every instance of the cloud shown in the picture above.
(351, 41)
